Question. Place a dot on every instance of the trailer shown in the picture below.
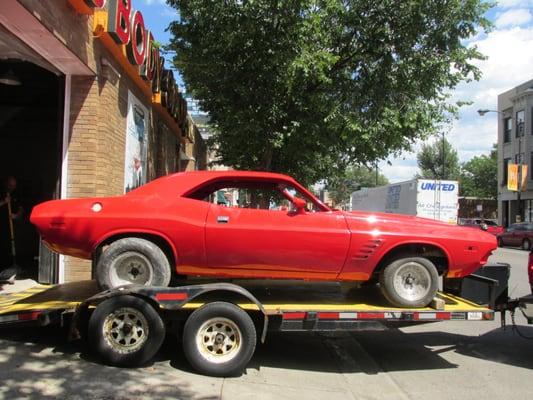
(220, 323)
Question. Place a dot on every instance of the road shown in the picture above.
(449, 360)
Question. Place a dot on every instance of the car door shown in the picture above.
(275, 243)
(515, 238)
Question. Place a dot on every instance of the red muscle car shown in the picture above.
(236, 224)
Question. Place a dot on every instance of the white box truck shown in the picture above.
(427, 198)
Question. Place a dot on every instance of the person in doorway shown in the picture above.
(8, 197)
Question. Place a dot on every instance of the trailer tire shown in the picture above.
(409, 282)
(132, 261)
(219, 339)
(125, 331)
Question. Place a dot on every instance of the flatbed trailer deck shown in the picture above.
(293, 304)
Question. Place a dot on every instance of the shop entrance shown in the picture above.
(31, 114)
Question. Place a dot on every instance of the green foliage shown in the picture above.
(354, 178)
(307, 87)
(438, 161)
(479, 176)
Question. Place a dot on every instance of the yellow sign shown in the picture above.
(512, 177)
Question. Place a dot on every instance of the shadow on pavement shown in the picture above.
(365, 352)
(38, 363)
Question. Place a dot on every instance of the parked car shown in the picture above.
(236, 224)
(489, 225)
(517, 235)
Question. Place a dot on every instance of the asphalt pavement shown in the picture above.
(446, 360)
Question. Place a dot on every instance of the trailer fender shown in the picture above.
(165, 298)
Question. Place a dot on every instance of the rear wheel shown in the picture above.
(125, 331)
(526, 244)
(219, 339)
(132, 261)
(409, 282)
(500, 242)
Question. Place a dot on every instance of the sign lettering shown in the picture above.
(119, 20)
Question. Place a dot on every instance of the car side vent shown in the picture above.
(368, 249)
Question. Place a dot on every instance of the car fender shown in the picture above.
(122, 232)
(388, 249)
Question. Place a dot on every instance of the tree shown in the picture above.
(479, 176)
(307, 87)
(438, 161)
(355, 177)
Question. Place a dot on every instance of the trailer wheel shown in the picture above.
(132, 261)
(125, 331)
(219, 339)
(409, 282)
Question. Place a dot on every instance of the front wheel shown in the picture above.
(526, 244)
(409, 282)
(219, 339)
(125, 331)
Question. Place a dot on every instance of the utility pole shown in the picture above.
(443, 158)
(520, 131)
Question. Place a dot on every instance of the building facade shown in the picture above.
(515, 146)
(87, 109)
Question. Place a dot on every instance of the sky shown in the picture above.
(509, 48)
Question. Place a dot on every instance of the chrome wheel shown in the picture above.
(219, 340)
(131, 268)
(125, 330)
(412, 281)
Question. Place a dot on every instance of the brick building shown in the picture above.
(87, 109)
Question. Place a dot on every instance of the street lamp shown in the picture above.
(482, 112)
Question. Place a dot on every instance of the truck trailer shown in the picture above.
(427, 198)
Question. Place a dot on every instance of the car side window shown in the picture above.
(260, 198)
(263, 195)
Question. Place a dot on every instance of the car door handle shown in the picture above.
(222, 219)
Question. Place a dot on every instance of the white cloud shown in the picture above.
(514, 3)
(150, 2)
(514, 17)
(509, 63)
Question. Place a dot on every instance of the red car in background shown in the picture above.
(487, 225)
(236, 224)
(517, 235)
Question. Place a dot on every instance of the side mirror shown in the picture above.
(300, 204)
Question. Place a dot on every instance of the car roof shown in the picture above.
(181, 183)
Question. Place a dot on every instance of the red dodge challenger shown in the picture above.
(236, 224)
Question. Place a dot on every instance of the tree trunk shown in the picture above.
(266, 163)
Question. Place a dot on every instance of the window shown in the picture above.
(506, 162)
(520, 123)
(507, 128)
(274, 196)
